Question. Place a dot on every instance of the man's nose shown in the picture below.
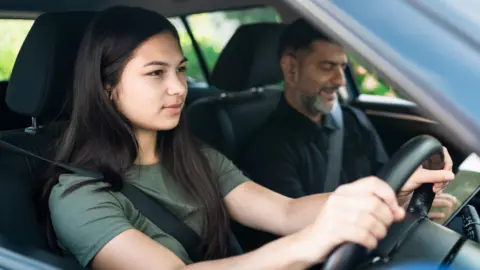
(338, 78)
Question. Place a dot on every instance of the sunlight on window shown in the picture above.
(12, 33)
(368, 83)
(213, 30)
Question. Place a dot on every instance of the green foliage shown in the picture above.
(254, 15)
(13, 33)
(209, 53)
(361, 75)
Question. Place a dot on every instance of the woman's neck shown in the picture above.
(147, 145)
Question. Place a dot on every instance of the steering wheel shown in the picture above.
(396, 172)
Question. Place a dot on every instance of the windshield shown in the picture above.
(465, 185)
(464, 12)
(460, 16)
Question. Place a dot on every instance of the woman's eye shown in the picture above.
(158, 72)
(182, 69)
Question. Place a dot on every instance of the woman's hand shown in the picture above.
(439, 178)
(360, 212)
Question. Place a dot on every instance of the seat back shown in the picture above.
(249, 59)
(47, 59)
(196, 92)
(8, 118)
(246, 69)
(227, 121)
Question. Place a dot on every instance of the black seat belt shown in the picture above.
(165, 220)
(335, 151)
(148, 206)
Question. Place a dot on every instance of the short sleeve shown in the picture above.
(229, 175)
(85, 220)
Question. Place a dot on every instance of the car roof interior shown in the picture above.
(32, 8)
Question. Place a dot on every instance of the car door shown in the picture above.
(395, 118)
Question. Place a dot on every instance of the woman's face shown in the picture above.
(153, 86)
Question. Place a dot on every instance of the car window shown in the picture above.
(212, 30)
(12, 32)
(194, 71)
(368, 83)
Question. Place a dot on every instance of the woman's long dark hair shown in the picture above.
(101, 139)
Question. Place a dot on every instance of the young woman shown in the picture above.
(127, 122)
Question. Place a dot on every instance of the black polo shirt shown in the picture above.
(288, 154)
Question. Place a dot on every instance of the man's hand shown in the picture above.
(443, 206)
(439, 179)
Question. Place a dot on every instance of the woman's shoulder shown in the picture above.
(75, 191)
(229, 175)
(84, 217)
(74, 184)
(215, 156)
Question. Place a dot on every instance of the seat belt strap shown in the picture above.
(335, 151)
(165, 220)
(148, 206)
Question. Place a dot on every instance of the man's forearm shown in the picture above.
(303, 211)
(290, 252)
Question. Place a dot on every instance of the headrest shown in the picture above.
(249, 59)
(43, 72)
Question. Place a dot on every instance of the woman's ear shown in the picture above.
(111, 92)
(289, 67)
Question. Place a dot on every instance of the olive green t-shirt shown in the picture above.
(85, 220)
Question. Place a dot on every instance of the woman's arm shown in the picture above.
(359, 212)
(290, 252)
(260, 208)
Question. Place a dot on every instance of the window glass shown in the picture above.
(213, 30)
(194, 71)
(12, 32)
(369, 84)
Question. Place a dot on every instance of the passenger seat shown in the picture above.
(8, 118)
(246, 69)
(249, 59)
(39, 88)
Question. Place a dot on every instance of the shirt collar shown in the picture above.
(297, 119)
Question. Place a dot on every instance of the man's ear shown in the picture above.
(289, 66)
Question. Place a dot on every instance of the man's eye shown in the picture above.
(158, 72)
(327, 67)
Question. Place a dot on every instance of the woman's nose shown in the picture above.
(177, 87)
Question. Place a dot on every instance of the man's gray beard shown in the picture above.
(315, 104)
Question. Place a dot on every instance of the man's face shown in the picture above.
(317, 74)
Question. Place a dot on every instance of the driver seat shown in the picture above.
(39, 86)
